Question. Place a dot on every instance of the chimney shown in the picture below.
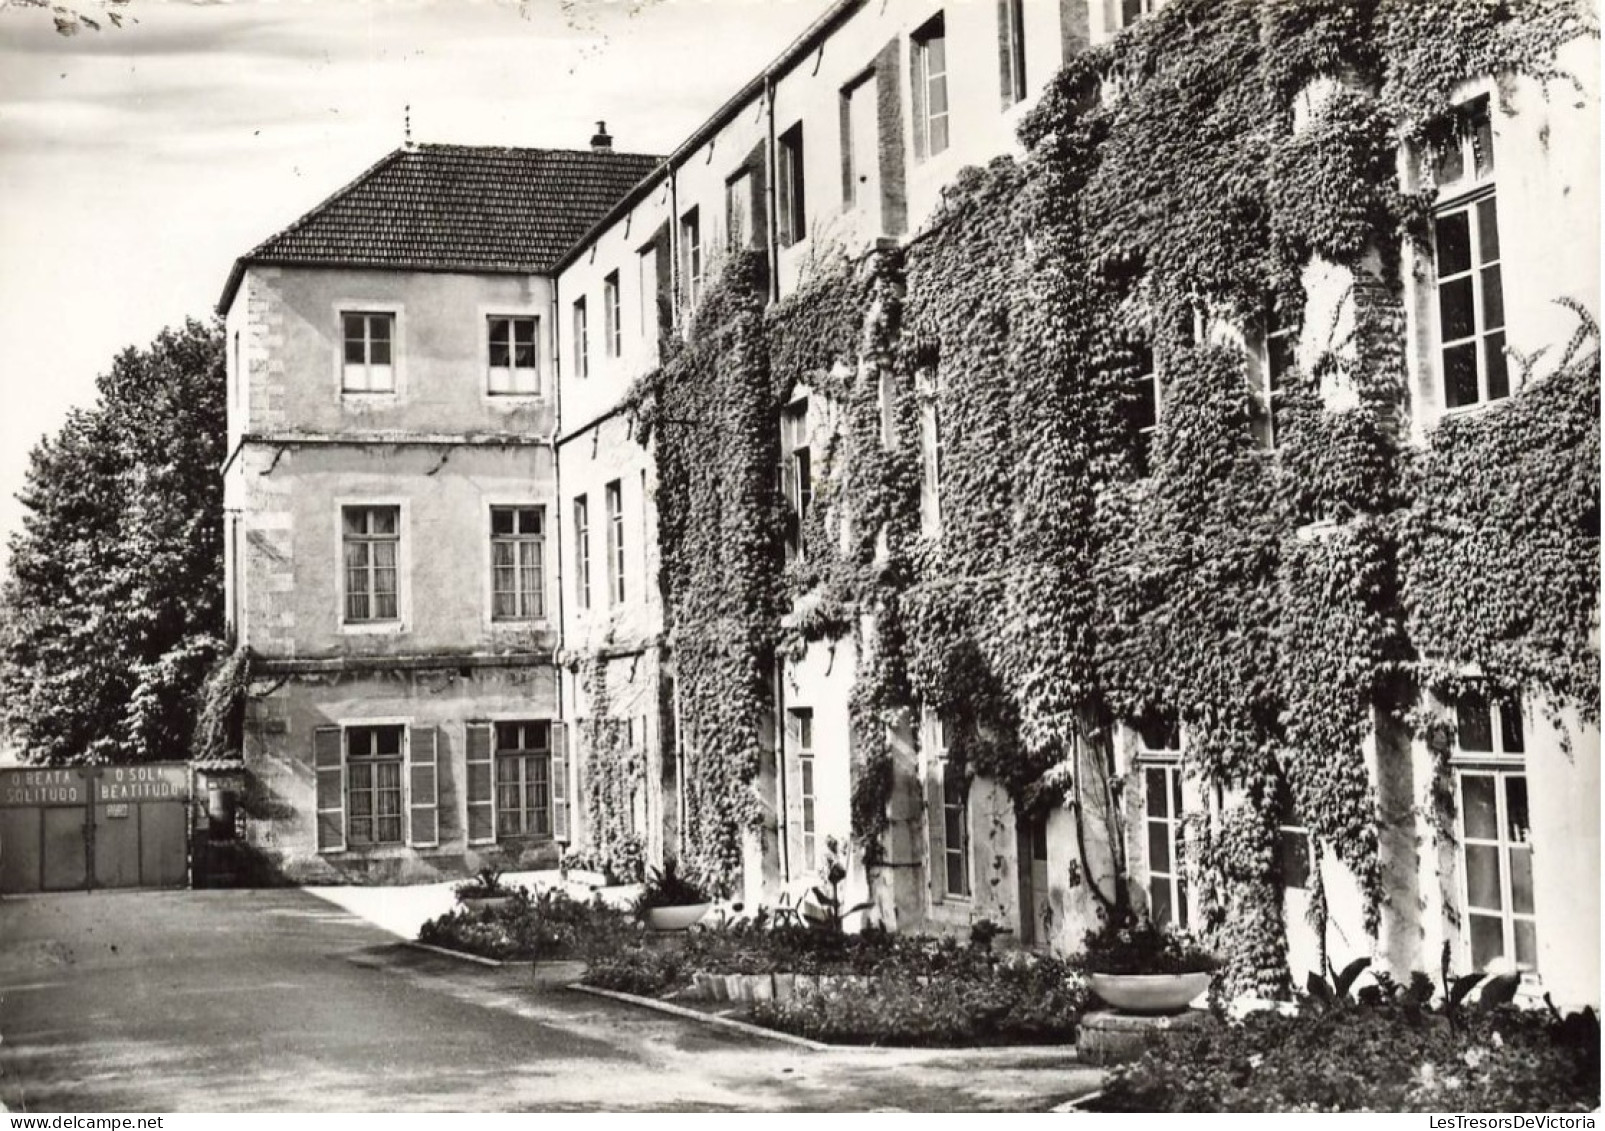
(601, 140)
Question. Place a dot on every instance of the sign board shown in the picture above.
(141, 783)
(30, 788)
(118, 811)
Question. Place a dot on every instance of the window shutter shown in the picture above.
(936, 827)
(423, 817)
(560, 781)
(328, 762)
(481, 785)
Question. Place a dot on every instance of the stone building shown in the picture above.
(436, 463)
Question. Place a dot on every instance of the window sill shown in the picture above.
(376, 628)
(1479, 407)
(515, 398)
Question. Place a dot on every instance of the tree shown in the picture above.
(113, 594)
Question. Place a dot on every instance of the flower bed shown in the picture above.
(532, 927)
(870, 988)
(1384, 1054)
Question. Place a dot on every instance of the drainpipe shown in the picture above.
(771, 198)
(572, 761)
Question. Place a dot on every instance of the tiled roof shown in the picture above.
(457, 207)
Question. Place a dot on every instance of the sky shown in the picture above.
(137, 162)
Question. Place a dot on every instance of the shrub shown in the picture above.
(1388, 1053)
(548, 924)
(1024, 999)
(641, 970)
(1139, 946)
(666, 887)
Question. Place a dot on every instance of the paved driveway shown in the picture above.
(278, 1001)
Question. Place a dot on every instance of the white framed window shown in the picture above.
(1277, 357)
(512, 356)
(789, 197)
(1159, 758)
(615, 541)
(799, 475)
(517, 563)
(582, 339)
(1500, 920)
(802, 727)
(374, 796)
(1011, 51)
(523, 779)
(1470, 300)
(1293, 839)
(930, 453)
(929, 49)
(1133, 10)
(691, 255)
(371, 544)
(611, 315)
(582, 551)
(955, 830)
(367, 353)
(1143, 408)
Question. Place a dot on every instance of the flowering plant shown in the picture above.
(1134, 945)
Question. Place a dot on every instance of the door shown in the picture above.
(1033, 856)
(163, 859)
(65, 848)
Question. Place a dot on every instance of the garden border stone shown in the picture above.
(730, 1023)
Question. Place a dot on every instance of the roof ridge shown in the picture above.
(607, 154)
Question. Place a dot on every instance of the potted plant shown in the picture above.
(484, 892)
(1138, 967)
(670, 901)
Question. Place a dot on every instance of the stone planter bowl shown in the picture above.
(676, 918)
(1149, 993)
(485, 902)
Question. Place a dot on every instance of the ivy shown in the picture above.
(1080, 574)
(615, 771)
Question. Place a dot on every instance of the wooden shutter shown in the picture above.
(481, 785)
(423, 817)
(936, 827)
(560, 781)
(328, 762)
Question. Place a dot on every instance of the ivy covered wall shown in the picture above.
(1178, 185)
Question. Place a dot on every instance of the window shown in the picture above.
(517, 563)
(1159, 753)
(1293, 839)
(513, 368)
(523, 779)
(615, 541)
(1142, 409)
(1471, 300)
(610, 313)
(1011, 50)
(1496, 859)
(691, 254)
(789, 188)
(799, 475)
(368, 364)
(582, 339)
(1277, 360)
(802, 726)
(738, 211)
(373, 785)
(955, 829)
(1133, 10)
(930, 455)
(930, 88)
(372, 541)
(582, 552)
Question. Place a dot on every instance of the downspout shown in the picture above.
(572, 760)
(771, 198)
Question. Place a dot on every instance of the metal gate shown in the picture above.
(94, 827)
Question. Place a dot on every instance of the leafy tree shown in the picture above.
(113, 594)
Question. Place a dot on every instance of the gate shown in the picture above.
(94, 827)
